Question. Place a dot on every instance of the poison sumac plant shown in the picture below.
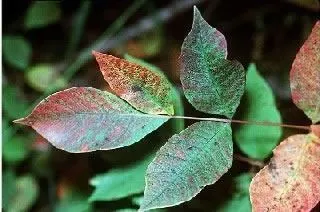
(83, 119)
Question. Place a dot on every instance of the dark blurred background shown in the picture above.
(46, 46)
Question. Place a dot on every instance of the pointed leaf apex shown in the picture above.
(97, 54)
(196, 15)
(195, 9)
(23, 121)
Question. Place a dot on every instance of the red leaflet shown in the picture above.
(145, 90)
(315, 130)
(84, 119)
(305, 76)
(291, 180)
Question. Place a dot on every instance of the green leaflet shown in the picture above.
(211, 83)
(84, 119)
(16, 51)
(196, 157)
(121, 182)
(178, 124)
(254, 140)
(240, 198)
(42, 13)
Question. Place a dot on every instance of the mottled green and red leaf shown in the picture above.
(290, 182)
(145, 90)
(86, 119)
(211, 83)
(305, 76)
(196, 157)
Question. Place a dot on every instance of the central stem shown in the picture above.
(261, 123)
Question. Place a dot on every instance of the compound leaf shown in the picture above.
(254, 140)
(196, 157)
(120, 182)
(85, 119)
(211, 83)
(145, 90)
(305, 76)
(290, 182)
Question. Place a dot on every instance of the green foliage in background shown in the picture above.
(16, 51)
(40, 76)
(239, 200)
(41, 14)
(37, 176)
(259, 105)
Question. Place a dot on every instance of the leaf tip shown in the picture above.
(23, 121)
(95, 53)
(196, 14)
(195, 9)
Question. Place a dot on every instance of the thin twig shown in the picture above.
(261, 123)
(148, 23)
(252, 162)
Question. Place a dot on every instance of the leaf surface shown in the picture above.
(145, 90)
(254, 140)
(305, 76)
(290, 182)
(211, 83)
(178, 124)
(120, 182)
(315, 130)
(86, 119)
(196, 157)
